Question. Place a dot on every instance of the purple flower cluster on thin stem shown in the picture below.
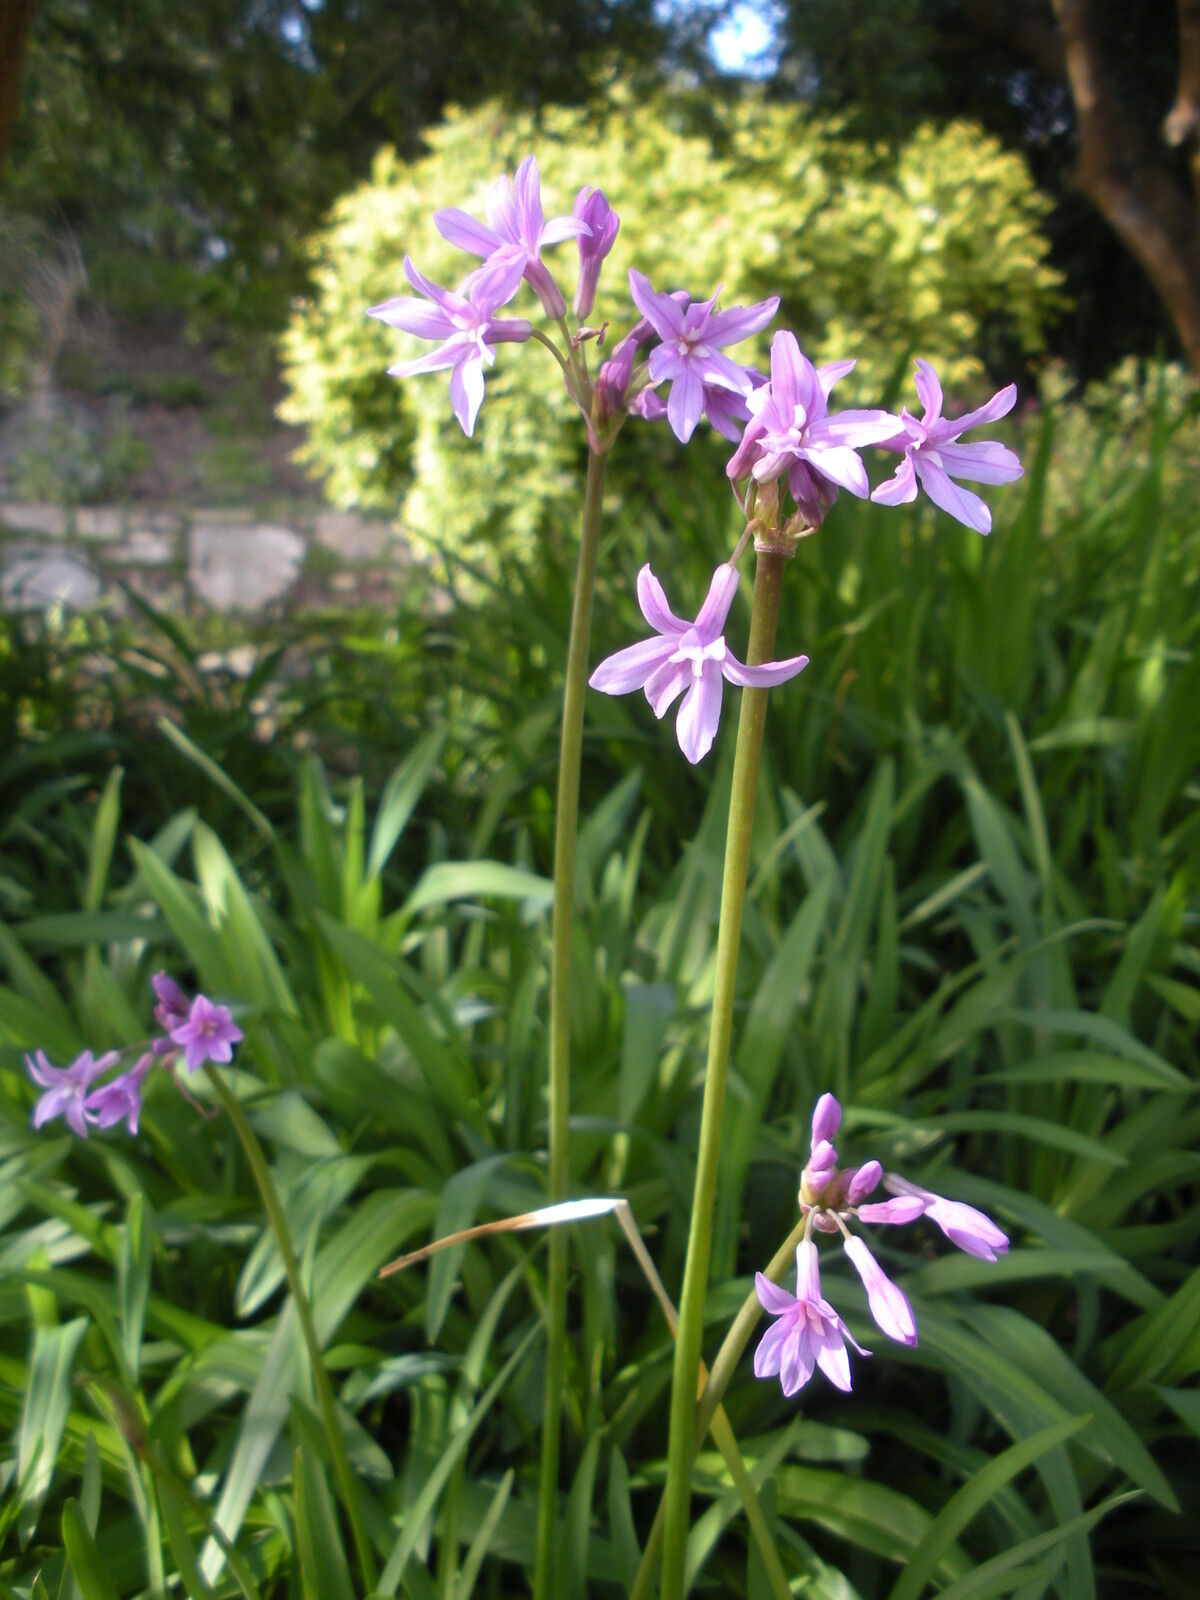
(201, 1029)
(807, 1333)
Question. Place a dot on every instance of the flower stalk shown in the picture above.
(277, 1221)
(566, 828)
(768, 582)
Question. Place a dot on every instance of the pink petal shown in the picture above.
(560, 228)
(929, 392)
(900, 488)
(665, 363)
(501, 209)
(769, 1356)
(840, 465)
(527, 195)
(792, 374)
(630, 668)
(662, 312)
(465, 232)
(808, 1272)
(998, 406)
(767, 676)
(889, 1304)
(432, 362)
(413, 316)
(466, 392)
(959, 503)
(446, 355)
(856, 428)
(773, 1299)
(445, 298)
(739, 322)
(696, 725)
(834, 1360)
(711, 617)
(833, 372)
(895, 1213)
(741, 462)
(717, 369)
(685, 403)
(982, 463)
(796, 1367)
(665, 686)
(726, 412)
(654, 607)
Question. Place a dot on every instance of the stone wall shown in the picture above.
(188, 562)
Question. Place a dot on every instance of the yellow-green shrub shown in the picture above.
(877, 254)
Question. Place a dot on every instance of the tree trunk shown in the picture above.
(1130, 177)
(15, 19)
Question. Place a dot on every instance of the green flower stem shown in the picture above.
(709, 1405)
(273, 1206)
(566, 827)
(768, 583)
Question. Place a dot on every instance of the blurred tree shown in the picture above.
(1085, 88)
(216, 135)
(15, 18)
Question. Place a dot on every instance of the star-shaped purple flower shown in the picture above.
(120, 1100)
(209, 1034)
(690, 356)
(518, 232)
(933, 455)
(66, 1087)
(687, 655)
(790, 430)
(465, 321)
(807, 1331)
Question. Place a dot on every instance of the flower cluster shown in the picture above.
(807, 1332)
(199, 1029)
(788, 442)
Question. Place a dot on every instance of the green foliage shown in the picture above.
(876, 254)
(972, 911)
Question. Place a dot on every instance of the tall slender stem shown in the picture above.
(273, 1206)
(566, 827)
(728, 1356)
(768, 580)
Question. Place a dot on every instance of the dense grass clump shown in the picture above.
(972, 915)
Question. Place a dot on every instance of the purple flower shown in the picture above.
(790, 430)
(66, 1087)
(969, 1229)
(889, 1304)
(807, 1331)
(933, 455)
(831, 1198)
(518, 232)
(120, 1100)
(209, 1034)
(687, 655)
(465, 321)
(173, 1004)
(593, 209)
(689, 357)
